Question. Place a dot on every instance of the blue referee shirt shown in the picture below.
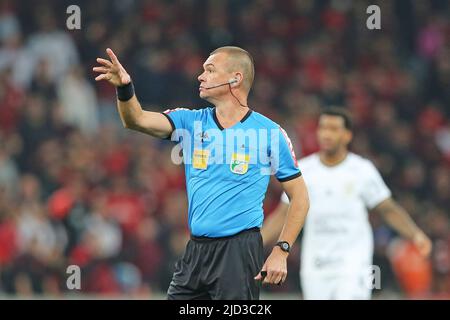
(228, 170)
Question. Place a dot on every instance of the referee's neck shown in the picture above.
(230, 112)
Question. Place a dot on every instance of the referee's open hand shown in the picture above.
(112, 71)
(274, 270)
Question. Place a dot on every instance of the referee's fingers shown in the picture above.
(112, 56)
(271, 276)
(283, 278)
(100, 69)
(104, 62)
(278, 280)
(262, 274)
(103, 76)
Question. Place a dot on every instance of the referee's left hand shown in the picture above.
(275, 267)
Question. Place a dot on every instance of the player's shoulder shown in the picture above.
(311, 160)
(310, 163)
(183, 109)
(264, 121)
(360, 162)
(196, 113)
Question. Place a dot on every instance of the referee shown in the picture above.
(229, 152)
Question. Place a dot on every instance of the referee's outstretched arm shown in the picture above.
(130, 110)
(276, 264)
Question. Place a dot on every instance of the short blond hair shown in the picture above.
(241, 60)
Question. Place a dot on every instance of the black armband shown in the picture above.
(126, 92)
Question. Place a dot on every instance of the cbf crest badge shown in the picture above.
(239, 163)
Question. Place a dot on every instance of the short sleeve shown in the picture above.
(283, 161)
(374, 190)
(180, 120)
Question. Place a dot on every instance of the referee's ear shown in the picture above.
(237, 79)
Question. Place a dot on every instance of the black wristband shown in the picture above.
(126, 92)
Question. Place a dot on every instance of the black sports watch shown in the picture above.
(284, 245)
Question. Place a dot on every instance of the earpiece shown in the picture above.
(232, 80)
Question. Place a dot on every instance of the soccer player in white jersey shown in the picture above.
(337, 248)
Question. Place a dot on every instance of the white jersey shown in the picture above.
(337, 236)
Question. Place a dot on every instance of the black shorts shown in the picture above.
(219, 268)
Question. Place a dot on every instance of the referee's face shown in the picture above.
(332, 134)
(215, 74)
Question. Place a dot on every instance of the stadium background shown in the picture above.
(78, 188)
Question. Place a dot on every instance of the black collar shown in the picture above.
(216, 120)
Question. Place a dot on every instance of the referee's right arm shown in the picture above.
(130, 110)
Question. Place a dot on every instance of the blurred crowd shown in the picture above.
(76, 188)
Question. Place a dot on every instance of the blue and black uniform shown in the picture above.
(227, 174)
